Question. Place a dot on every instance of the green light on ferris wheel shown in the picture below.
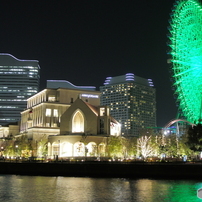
(186, 57)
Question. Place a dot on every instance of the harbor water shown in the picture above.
(16, 188)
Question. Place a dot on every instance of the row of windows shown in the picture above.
(20, 83)
(49, 112)
(126, 87)
(19, 73)
(51, 98)
(7, 119)
(51, 125)
(5, 107)
(125, 97)
(19, 70)
(120, 85)
(119, 103)
(18, 100)
(16, 67)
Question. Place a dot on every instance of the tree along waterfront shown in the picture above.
(150, 145)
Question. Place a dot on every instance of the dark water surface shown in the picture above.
(58, 189)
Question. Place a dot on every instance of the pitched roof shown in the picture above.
(112, 119)
(94, 109)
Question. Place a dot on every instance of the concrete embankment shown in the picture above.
(105, 169)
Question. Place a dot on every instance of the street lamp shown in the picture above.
(58, 148)
(16, 151)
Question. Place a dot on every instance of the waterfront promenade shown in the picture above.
(105, 169)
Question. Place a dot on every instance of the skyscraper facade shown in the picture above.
(132, 102)
(19, 79)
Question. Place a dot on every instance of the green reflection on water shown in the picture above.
(183, 191)
(62, 189)
(167, 190)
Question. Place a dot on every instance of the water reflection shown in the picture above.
(37, 188)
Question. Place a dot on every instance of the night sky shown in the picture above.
(85, 41)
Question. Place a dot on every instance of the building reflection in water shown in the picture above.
(47, 189)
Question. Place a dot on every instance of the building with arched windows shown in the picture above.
(71, 118)
(44, 109)
(83, 132)
(78, 122)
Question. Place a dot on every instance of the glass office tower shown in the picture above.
(132, 102)
(19, 79)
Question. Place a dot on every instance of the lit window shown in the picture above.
(78, 122)
(102, 111)
(51, 98)
(55, 113)
(48, 112)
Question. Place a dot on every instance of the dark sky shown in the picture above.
(85, 41)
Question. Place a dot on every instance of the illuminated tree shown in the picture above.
(145, 146)
(194, 140)
(183, 148)
(186, 57)
(147, 143)
(170, 147)
(131, 147)
(9, 148)
(116, 147)
(23, 146)
(42, 146)
(174, 146)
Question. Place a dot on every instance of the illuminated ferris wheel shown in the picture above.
(186, 57)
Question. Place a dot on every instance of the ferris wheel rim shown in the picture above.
(185, 72)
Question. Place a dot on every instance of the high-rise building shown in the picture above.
(19, 79)
(132, 102)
